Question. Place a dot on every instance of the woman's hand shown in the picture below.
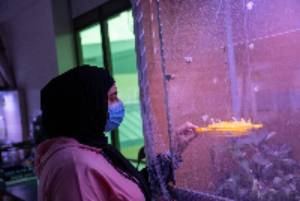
(183, 136)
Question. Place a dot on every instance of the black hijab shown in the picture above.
(75, 105)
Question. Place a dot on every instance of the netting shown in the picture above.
(232, 68)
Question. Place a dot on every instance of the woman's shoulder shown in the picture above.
(65, 153)
(78, 155)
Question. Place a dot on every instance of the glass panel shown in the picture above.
(91, 46)
(123, 56)
(232, 69)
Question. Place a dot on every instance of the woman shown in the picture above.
(76, 163)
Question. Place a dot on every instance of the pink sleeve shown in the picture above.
(79, 183)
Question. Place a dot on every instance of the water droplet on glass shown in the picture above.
(188, 59)
(169, 77)
(205, 117)
(250, 5)
(215, 80)
(251, 46)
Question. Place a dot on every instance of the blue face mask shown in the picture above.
(116, 114)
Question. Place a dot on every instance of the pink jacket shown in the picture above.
(70, 171)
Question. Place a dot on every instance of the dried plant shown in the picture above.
(264, 172)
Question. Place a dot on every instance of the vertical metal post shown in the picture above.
(108, 65)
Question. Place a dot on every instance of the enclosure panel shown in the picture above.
(218, 59)
(225, 59)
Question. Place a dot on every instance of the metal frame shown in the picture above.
(100, 15)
